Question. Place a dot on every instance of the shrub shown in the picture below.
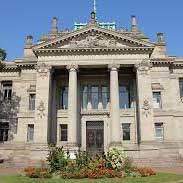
(34, 172)
(146, 171)
(115, 159)
(57, 159)
(82, 159)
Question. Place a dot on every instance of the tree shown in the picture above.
(9, 109)
(2, 54)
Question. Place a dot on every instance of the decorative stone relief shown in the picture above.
(93, 40)
(41, 109)
(144, 67)
(72, 67)
(43, 70)
(114, 66)
(146, 107)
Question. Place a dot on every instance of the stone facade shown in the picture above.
(79, 80)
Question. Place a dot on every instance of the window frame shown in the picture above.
(7, 89)
(29, 127)
(160, 103)
(159, 126)
(128, 130)
(32, 106)
(65, 131)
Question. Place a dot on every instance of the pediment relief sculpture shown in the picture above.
(91, 41)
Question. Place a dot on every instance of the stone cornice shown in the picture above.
(17, 67)
(167, 60)
(129, 50)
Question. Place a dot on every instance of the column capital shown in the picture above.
(144, 66)
(114, 67)
(43, 69)
(72, 67)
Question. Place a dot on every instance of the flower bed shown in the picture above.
(113, 164)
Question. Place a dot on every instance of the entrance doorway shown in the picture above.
(95, 137)
(4, 128)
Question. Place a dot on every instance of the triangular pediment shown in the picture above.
(93, 37)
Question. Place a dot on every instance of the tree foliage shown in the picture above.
(2, 54)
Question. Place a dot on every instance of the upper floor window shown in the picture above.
(124, 97)
(32, 99)
(94, 97)
(7, 90)
(159, 131)
(95, 94)
(181, 87)
(64, 98)
(105, 96)
(157, 103)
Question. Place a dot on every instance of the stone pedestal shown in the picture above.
(114, 107)
(72, 106)
(145, 98)
(42, 104)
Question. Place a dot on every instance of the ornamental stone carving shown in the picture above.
(146, 107)
(114, 66)
(93, 40)
(144, 67)
(43, 69)
(41, 109)
(72, 67)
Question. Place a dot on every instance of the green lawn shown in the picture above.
(161, 177)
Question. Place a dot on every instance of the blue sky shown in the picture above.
(19, 18)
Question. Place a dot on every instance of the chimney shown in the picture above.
(160, 38)
(134, 27)
(29, 41)
(54, 25)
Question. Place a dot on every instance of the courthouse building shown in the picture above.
(91, 88)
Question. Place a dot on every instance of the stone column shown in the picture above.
(145, 99)
(42, 115)
(72, 106)
(114, 106)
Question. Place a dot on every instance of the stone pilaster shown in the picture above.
(42, 104)
(114, 105)
(145, 106)
(72, 106)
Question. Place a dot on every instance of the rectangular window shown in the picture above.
(63, 132)
(30, 133)
(4, 128)
(157, 100)
(124, 97)
(85, 97)
(7, 90)
(126, 131)
(32, 99)
(64, 98)
(94, 96)
(181, 86)
(159, 131)
(105, 96)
